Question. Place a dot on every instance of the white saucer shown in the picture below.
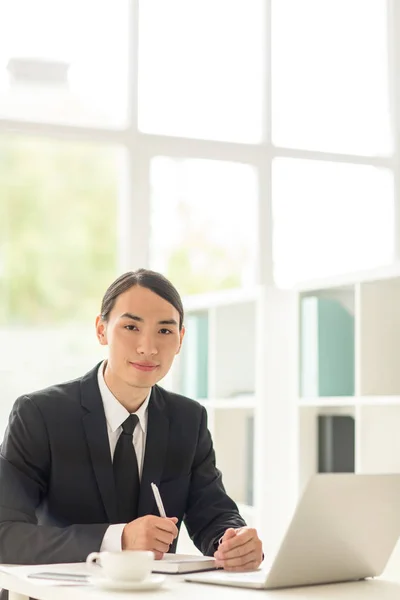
(151, 583)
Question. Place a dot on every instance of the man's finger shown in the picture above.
(160, 547)
(238, 561)
(164, 536)
(250, 566)
(242, 536)
(236, 551)
(167, 525)
(229, 533)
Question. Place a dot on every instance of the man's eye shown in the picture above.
(165, 331)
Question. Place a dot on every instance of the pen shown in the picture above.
(158, 500)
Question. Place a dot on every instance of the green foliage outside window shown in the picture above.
(58, 234)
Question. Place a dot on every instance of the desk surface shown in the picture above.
(177, 589)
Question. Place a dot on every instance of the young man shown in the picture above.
(78, 458)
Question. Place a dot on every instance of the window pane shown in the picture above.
(58, 215)
(201, 68)
(203, 223)
(64, 61)
(329, 75)
(330, 218)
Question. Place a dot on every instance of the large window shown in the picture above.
(337, 217)
(58, 254)
(332, 126)
(201, 68)
(64, 61)
(166, 133)
(201, 237)
(330, 87)
(58, 221)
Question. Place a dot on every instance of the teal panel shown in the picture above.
(326, 349)
(194, 375)
(336, 349)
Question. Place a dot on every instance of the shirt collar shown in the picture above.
(115, 413)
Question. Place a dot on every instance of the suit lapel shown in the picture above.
(156, 448)
(95, 426)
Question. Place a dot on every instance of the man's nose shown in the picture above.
(146, 345)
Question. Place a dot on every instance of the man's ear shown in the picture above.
(181, 336)
(101, 330)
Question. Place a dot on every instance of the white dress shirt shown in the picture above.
(116, 414)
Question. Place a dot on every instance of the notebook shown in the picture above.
(183, 563)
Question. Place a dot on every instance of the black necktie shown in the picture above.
(126, 473)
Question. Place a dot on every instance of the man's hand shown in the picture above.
(239, 550)
(150, 533)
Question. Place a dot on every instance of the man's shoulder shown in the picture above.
(58, 394)
(178, 401)
(57, 390)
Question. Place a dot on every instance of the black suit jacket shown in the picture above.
(57, 495)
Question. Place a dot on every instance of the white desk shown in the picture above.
(177, 589)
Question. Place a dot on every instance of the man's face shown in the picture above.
(143, 337)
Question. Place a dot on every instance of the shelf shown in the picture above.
(241, 402)
(323, 438)
(325, 401)
(351, 278)
(378, 401)
(322, 401)
(221, 298)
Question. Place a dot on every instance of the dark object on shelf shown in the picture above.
(335, 444)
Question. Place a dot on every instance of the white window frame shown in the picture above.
(141, 148)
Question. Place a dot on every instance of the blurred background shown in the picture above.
(233, 145)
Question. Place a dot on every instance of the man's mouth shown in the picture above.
(144, 366)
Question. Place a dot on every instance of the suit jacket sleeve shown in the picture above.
(25, 464)
(210, 511)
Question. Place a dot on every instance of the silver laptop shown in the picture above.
(344, 528)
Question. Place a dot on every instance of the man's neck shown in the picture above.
(130, 397)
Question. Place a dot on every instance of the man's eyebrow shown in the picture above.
(168, 322)
(128, 315)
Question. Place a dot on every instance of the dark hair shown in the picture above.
(151, 280)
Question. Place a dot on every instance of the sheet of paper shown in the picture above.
(63, 568)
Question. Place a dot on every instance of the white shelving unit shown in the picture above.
(290, 421)
(217, 366)
(375, 304)
(286, 433)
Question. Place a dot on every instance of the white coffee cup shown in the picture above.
(126, 565)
